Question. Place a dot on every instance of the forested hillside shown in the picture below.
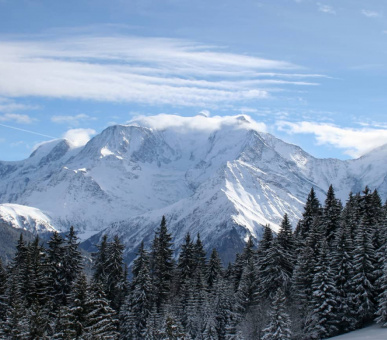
(326, 278)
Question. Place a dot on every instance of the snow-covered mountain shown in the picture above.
(26, 218)
(220, 176)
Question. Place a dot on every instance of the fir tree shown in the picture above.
(342, 268)
(114, 270)
(56, 278)
(381, 312)
(322, 319)
(280, 324)
(331, 216)
(100, 319)
(78, 305)
(214, 270)
(200, 255)
(72, 260)
(186, 263)
(364, 264)
(311, 210)
(138, 304)
(100, 259)
(162, 263)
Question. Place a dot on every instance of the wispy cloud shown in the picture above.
(325, 8)
(354, 142)
(16, 118)
(71, 120)
(142, 70)
(371, 14)
(9, 105)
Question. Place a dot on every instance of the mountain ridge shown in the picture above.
(219, 176)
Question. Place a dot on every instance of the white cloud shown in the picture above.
(355, 142)
(79, 137)
(16, 118)
(371, 14)
(8, 105)
(325, 8)
(198, 123)
(142, 70)
(71, 120)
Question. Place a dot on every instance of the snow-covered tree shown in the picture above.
(279, 327)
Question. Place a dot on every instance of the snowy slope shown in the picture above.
(27, 218)
(220, 176)
(374, 332)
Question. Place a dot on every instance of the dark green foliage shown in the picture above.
(162, 263)
(327, 278)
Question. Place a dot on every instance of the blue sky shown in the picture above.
(314, 72)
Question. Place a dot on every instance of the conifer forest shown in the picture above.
(326, 278)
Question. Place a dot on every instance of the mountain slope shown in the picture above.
(219, 176)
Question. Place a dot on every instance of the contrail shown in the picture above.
(29, 131)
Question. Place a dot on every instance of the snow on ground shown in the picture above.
(374, 332)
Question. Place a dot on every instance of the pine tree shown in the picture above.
(15, 324)
(114, 270)
(56, 278)
(331, 216)
(64, 329)
(302, 279)
(100, 320)
(322, 319)
(137, 306)
(214, 270)
(342, 268)
(381, 312)
(72, 260)
(38, 321)
(186, 263)
(276, 266)
(280, 324)
(38, 273)
(100, 259)
(78, 300)
(200, 255)
(162, 263)
(364, 264)
(311, 210)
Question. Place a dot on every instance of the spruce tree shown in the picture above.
(56, 277)
(331, 216)
(279, 327)
(342, 268)
(162, 263)
(138, 304)
(381, 313)
(72, 260)
(311, 210)
(101, 322)
(78, 305)
(322, 319)
(214, 270)
(100, 262)
(114, 270)
(364, 264)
